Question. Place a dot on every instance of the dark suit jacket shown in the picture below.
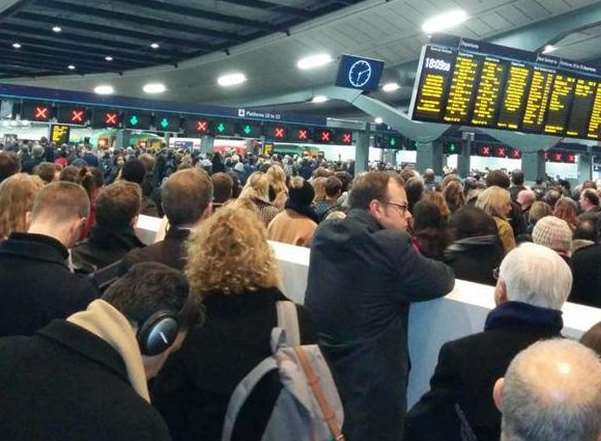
(170, 251)
(465, 375)
(362, 279)
(586, 268)
(36, 284)
(66, 384)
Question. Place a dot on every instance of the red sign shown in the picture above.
(571, 157)
(41, 113)
(485, 150)
(111, 119)
(557, 156)
(279, 132)
(500, 152)
(201, 126)
(346, 138)
(324, 136)
(303, 134)
(78, 116)
(516, 153)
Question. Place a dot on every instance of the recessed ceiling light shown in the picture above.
(314, 61)
(17, 45)
(71, 67)
(319, 99)
(155, 45)
(108, 58)
(549, 48)
(56, 29)
(444, 21)
(391, 87)
(104, 89)
(232, 79)
(154, 88)
(378, 120)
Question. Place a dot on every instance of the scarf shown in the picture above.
(523, 314)
(304, 210)
(104, 321)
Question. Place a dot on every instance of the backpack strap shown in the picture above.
(242, 392)
(313, 380)
(288, 321)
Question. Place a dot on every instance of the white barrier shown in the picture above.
(431, 324)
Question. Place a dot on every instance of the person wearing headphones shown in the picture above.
(85, 378)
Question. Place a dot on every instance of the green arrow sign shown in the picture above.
(247, 129)
(164, 123)
(392, 142)
(134, 120)
(221, 128)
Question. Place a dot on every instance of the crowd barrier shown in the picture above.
(431, 324)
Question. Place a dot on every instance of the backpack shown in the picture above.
(308, 407)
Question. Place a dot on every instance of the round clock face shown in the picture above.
(359, 73)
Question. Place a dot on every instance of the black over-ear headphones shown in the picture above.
(158, 332)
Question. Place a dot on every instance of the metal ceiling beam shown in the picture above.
(35, 67)
(119, 16)
(272, 7)
(17, 5)
(58, 60)
(110, 30)
(71, 37)
(77, 48)
(199, 13)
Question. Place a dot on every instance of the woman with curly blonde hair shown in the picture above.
(496, 202)
(16, 199)
(231, 265)
(278, 192)
(453, 195)
(257, 191)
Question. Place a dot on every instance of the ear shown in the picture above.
(27, 219)
(497, 393)
(208, 211)
(375, 209)
(500, 292)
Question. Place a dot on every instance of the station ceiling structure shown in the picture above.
(389, 30)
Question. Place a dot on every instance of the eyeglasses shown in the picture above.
(401, 206)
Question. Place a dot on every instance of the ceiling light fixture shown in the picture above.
(154, 88)
(319, 99)
(314, 61)
(549, 48)
(17, 45)
(104, 89)
(391, 87)
(444, 21)
(379, 120)
(232, 79)
(71, 67)
(155, 45)
(108, 58)
(57, 29)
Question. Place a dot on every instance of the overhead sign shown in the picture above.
(474, 83)
(167, 122)
(198, 126)
(250, 130)
(59, 134)
(36, 111)
(106, 119)
(359, 73)
(137, 120)
(71, 115)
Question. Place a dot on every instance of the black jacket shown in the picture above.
(586, 269)
(474, 258)
(66, 384)
(36, 284)
(468, 369)
(103, 247)
(193, 390)
(170, 251)
(362, 279)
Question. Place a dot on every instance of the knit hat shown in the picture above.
(300, 192)
(239, 167)
(134, 171)
(553, 232)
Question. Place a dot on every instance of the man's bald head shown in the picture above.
(551, 392)
(526, 198)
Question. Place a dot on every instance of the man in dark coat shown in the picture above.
(86, 378)
(35, 281)
(186, 196)
(586, 262)
(363, 275)
(113, 236)
(534, 282)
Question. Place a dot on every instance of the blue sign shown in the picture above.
(359, 73)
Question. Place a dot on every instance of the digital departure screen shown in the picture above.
(474, 83)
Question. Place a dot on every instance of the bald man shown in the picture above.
(551, 392)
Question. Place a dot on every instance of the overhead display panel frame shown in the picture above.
(473, 83)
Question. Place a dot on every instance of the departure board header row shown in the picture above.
(473, 83)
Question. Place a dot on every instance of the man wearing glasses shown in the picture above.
(363, 275)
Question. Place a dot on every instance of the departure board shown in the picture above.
(468, 82)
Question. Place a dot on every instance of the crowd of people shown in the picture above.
(103, 337)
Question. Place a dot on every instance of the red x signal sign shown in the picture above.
(111, 118)
(303, 134)
(202, 126)
(77, 116)
(41, 112)
(279, 132)
(326, 136)
(347, 138)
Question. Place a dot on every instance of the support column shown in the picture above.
(464, 158)
(361, 151)
(390, 157)
(533, 165)
(429, 155)
(585, 166)
(206, 144)
(122, 139)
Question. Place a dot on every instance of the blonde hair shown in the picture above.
(277, 179)
(17, 194)
(257, 186)
(494, 201)
(438, 199)
(319, 185)
(229, 254)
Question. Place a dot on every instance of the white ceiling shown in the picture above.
(386, 30)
